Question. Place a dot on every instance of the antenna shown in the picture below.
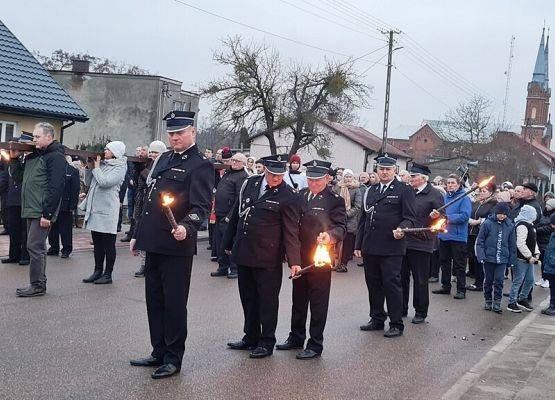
(507, 85)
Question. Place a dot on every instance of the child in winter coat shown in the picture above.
(549, 268)
(495, 249)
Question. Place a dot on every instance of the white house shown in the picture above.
(351, 146)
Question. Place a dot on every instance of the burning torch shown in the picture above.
(438, 226)
(475, 187)
(5, 155)
(321, 259)
(167, 201)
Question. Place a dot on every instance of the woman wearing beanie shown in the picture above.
(350, 192)
(495, 249)
(527, 256)
(294, 177)
(154, 150)
(549, 268)
(101, 206)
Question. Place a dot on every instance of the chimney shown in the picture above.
(80, 66)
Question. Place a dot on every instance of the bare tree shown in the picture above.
(61, 60)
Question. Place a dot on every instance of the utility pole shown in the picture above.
(508, 74)
(387, 88)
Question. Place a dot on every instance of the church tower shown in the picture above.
(537, 120)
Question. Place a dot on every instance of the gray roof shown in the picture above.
(27, 88)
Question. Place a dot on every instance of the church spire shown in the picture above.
(546, 55)
(540, 69)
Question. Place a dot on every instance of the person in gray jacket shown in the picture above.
(101, 206)
(349, 190)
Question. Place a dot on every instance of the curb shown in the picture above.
(469, 378)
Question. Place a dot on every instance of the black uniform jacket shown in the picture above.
(70, 196)
(262, 230)
(325, 212)
(228, 190)
(382, 214)
(189, 178)
(426, 201)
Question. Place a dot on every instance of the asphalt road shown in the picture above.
(75, 342)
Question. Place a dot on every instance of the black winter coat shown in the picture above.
(228, 191)
(427, 200)
(481, 210)
(70, 196)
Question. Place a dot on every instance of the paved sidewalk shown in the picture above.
(520, 366)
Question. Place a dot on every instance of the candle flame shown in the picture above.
(5, 155)
(438, 225)
(167, 200)
(321, 256)
(485, 182)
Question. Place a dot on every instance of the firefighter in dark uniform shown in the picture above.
(420, 246)
(322, 222)
(189, 177)
(388, 206)
(262, 230)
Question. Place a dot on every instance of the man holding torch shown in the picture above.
(262, 230)
(388, 207)
(420, 246)
(322, 222)
(168, 234)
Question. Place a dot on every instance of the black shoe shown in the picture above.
(497, 308)
(10, 261)
(146, 362)
(459, 296)
(433, 279)
(441, 291)
(288, 345)
(219, 272)
(360, 264)
(474, 288)
(31, 291)
(165, 371)
(372, 326)
(241, 345)
(549, 311)
(126, 239)
(341, 268)
(65, 255)
(524, 304)
(513, 308)
(140, 273)
(506, 294)
(96, 274)
(209, 248)
(105, 279)
(307, 354)
(393, 332)
(232, 275)
(4, 232)
(51, 252)
(214, 259)
(260, 352)
(24, 262)
(418, 319)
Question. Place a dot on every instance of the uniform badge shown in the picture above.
(279, 158)
(314, 163)
(194, 217)
(172, 115)
(248, 200)
(184, 157)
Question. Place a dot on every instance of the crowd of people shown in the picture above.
(262, 212)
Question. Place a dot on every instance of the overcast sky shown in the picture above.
(470, 38)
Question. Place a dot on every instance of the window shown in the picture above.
(8, 130)
(178, 106)
(533, 113)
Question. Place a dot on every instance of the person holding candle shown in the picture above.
(388, 207)
(187, 176)
(322, 221)
(263, 229)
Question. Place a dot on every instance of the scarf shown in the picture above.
(344, 192)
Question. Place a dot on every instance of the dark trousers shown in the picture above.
(4, 211)
(347, 248)
(18, 234)
(311, 289)
(416, 263)
(167, 281)
(131, 192)
(551, 279)
(383, 279)
(224, 262)
(453, 254)
(104, 249)
(494, 275)
(62, 228)
(474, 267)
(259, 291)
(434, 264)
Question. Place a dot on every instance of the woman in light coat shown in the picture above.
(101, 206)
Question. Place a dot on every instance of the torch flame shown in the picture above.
(167, 200)
(485, 182)
(5, 155)
(439, 225)
(321, 256)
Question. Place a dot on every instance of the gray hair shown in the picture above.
(46, 128)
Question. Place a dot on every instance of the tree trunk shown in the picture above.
(272, 142)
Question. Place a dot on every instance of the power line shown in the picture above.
(420, 86)
(374, 64)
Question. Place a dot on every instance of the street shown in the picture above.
(76, 342)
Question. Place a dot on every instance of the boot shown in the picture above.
(497, 307)
(104, 279)
(141, 272)
(96, 274)
(33, 290)
(488, 306)
(549, 310)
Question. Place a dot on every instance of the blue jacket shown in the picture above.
(496, 242)
(549, 259)
(457, 218)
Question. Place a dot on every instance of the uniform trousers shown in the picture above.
(62, 228)
(383, 279)
(167, 280)
(416, 263)
(311, 289)
(224, 261)
(259, 292)
(18, 234)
